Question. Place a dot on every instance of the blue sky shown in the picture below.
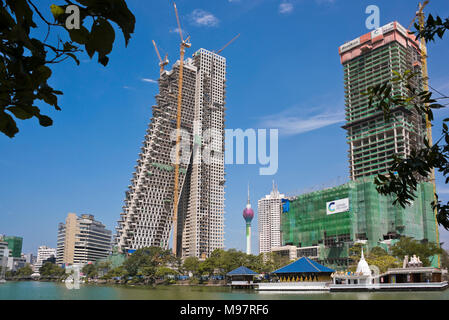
(284, 71)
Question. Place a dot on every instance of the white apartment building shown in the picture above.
(30, 258)
(43, 253)
(15, 263)
(269, 210)
(81, 240)
(4, 253)
(147, 217)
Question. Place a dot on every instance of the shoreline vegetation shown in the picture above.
(215, 283)
(154, 266)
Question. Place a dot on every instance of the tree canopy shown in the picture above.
(405, 173)
(89, 270)
(26, 59)
(152, 263)
(51, 270)
(408, 246)
(145, 262)
(26, 271)
(377, 257)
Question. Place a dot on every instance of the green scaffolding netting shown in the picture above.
(371, 217)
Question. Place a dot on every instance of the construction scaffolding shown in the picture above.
(370, 218)
(196, 196)
(373, 140)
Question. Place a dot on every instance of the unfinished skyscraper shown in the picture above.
(367, 61)
(326, 223)
(147, 216)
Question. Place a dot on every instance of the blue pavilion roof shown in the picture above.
(242, 271)
(304, 265)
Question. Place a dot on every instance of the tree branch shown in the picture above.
(40, 14)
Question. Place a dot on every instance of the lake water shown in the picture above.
(57, 291)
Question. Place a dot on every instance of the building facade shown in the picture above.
(4, 254)
(367, 61)
(328, 222)
(14, 246)
(82, 239)
(269, 210)
(147, 217)
(30, 258)
(15, 264)
(43, 253)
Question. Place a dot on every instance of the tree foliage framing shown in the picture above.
(25, 61)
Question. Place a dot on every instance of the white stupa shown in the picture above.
(363, 267)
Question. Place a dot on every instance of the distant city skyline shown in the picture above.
(284, 73)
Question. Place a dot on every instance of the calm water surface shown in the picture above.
(57, 291)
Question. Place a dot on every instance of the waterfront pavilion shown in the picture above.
(242, 276)
(412, 272)
(304, 269)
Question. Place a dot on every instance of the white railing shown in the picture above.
(291, 286)
(241, 283)
(380, 286)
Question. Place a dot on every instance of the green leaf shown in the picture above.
(80, 36)
(103, 60)
(73, 56)
(90, 49)
(41, 74)
(102, 37)
(50, 98)
(20, 112)
(8, 125)
(398, 75)
(45, 121)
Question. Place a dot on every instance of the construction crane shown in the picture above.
(227, 44)
(425, 76)
(184, 44)
(162, 63)
(418, 13)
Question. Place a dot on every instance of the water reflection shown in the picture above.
(56, 291)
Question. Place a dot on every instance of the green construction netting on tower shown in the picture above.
(14, 245)
(371, 217)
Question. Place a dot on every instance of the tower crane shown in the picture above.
(162, 63)
(418, 13)
(425, 76)
(184, 44)
(227, 44)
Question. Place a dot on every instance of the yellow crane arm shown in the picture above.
(157, 51)
(420, 11)
(179, 23)
(425, 75)
(227, 44)
(184, 44)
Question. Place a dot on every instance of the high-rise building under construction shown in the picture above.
(147, 217)
(369, 60)
(325, 224)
